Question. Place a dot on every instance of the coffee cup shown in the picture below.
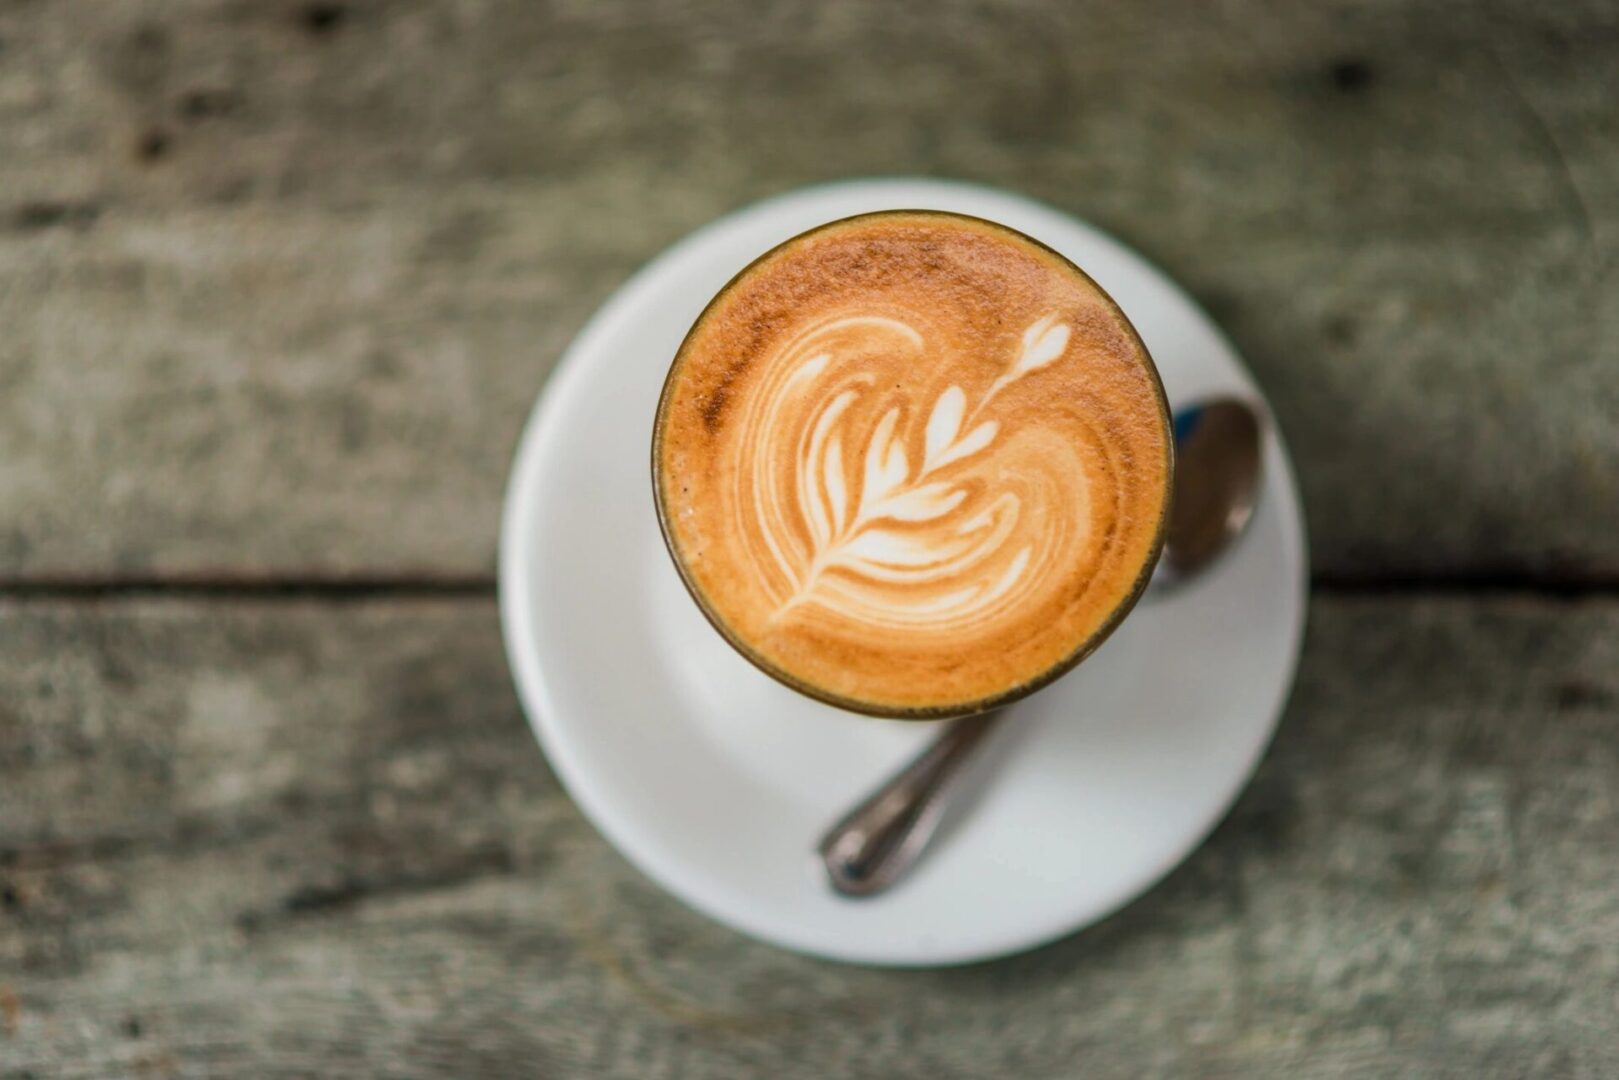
(913, 464)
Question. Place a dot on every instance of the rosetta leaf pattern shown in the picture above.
(867, 536)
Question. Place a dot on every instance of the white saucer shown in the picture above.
(716, 781)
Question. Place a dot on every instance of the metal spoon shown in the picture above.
(1217, 471)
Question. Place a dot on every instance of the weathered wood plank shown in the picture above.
(280, 280)
(281, 839)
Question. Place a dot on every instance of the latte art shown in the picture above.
(912, 463)
(938, 543)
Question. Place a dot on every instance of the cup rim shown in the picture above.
(988, 703)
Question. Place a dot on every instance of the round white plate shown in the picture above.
(716, 781)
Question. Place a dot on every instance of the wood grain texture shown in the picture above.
(280, 839)
(281, 279)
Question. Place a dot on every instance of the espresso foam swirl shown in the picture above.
(843, 520)
(912, 461)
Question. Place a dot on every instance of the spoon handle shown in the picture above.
(879, 839)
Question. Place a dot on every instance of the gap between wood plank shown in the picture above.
(211, 586)
(354, 587)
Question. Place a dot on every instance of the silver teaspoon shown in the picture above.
(1217, 470)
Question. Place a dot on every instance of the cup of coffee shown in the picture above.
(913, 464)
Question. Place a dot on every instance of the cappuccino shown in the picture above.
(913, 463)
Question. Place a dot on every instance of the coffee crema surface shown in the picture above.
(913, 463)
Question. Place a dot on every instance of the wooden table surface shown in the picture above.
(279, 282)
